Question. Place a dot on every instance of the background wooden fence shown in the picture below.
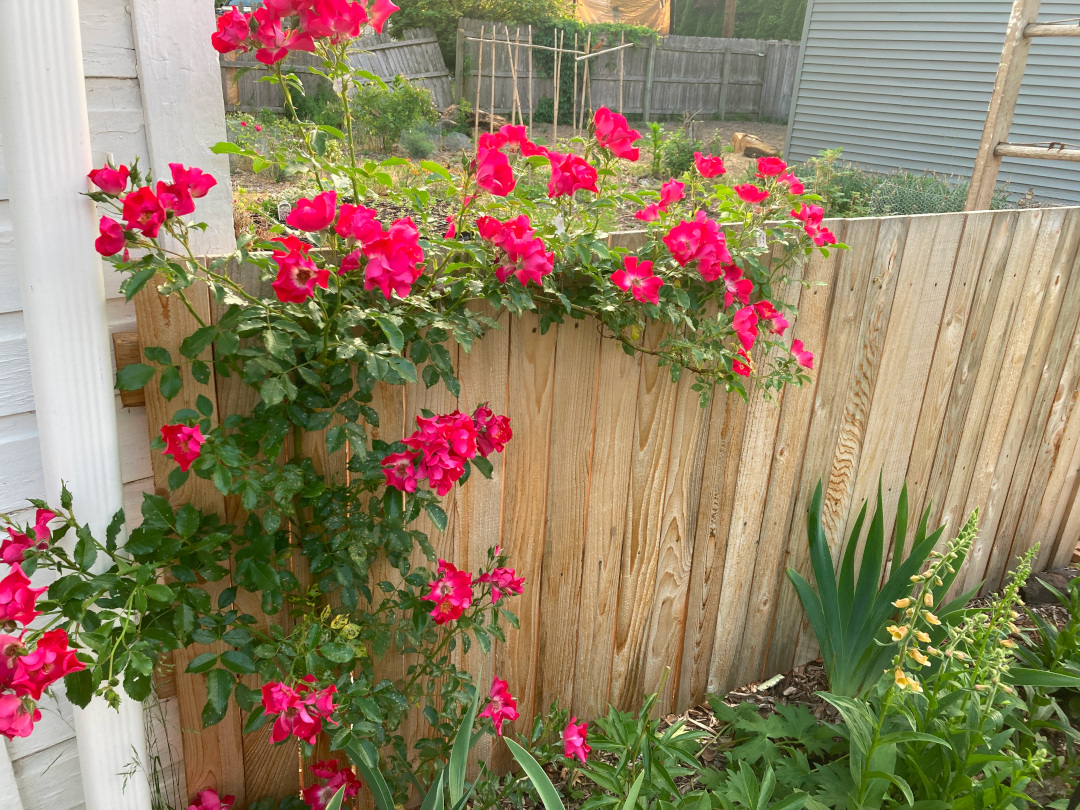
(669, 76)
(416, 57)
(655, 534)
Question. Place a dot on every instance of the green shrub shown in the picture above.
(322, 107)
(418, 143)
(384, 111)
(677, 153)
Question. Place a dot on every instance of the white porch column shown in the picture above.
(47, 144)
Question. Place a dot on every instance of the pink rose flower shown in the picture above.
(639, 279)
(503, 581)
(501, 707)
(770, 167)
(277, 42)
(359, 223)
(13, 549)
(745, 325)
(49, 661)
(300, 710)
(315, 214)
(492, 432)
(519, 252)
(701, 241)
(451, 593)
(749, 193)
(112, 239)
(794, 184)
(17, 716)
(811, 216)
(17, 598)
(444, 443)
(741, 367)
(144, 212)
(400, 471)
(336, 20)
(738, 288)
(708, 166)
(332, 776)
(197, 182)
(614, 134)
(297, 274)
(395, 259)
(111, 181)
(767, 312)
(183, 444)
(570, 173)
(573, 737)
(233, 27)
(175, 198)
(209, 800)
(378, 12)
(11, 649)
(803, 357)
(493, 172)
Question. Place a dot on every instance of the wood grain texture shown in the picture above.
(577, 368)
(788, 451)
(213, 757)
(530, 401)
(656, 400)
(609, 481)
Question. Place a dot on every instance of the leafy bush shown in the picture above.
(419, 143)
(849, 616)
(384, 111)
(677, 153)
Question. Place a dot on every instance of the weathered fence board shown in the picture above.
(416, 57)
(702, 75)
(653, 535)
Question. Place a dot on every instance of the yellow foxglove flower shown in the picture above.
(917, 656)
(902, 603)
(931, 618)
(897, 633)
(922, 636)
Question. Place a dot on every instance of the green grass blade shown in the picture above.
(822, 564)
(365, 757)
(335, 803)
(459, 754)
(434, 798)
(632, 796)
(811, 603)
(548, 794)
(846, 584)
(900, 535)
(920, 533)
(870, 567)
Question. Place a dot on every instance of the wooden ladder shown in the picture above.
(1010, 74)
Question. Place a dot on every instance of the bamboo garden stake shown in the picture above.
(555, 115)
(491, 109)
(573, 107)
(479, 77)
(530, 82)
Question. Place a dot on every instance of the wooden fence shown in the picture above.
(654, 534)
(669, 76)
(416, 57)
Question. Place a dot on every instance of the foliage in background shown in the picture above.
(677, 153)
(383, 111)
(754, 19)
(850, 191)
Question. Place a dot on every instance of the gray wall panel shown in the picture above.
(905, 84)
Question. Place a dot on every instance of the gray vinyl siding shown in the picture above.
(906, 83)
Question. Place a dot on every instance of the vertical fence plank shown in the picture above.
(213, 757)
(577, 368)
(609, 480)
(834, 369)
(530, 400)
(787, 460)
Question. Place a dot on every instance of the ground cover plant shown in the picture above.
(328, 575)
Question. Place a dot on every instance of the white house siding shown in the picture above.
(906, 85)
(46, 764)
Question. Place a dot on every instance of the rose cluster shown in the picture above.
(145, 209)
(29, 663)
(502, 707)
(520, 251)
(300, 709)
(279, 27)
(391, 258)
(443, 444)
(452, 592)
(331, 775)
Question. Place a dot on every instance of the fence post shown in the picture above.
(725, 79)
(459, 67)
(647, 100)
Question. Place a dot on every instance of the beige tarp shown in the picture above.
(654, 14)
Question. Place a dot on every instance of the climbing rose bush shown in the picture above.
(318, 572)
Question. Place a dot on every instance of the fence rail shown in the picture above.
(702, 75)
(654, 534)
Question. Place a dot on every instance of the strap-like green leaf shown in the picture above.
(459, 754)
(632, 796)
(434, 798)
(900, 534)
(548, 794)
(335, 803)
(363, 754)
